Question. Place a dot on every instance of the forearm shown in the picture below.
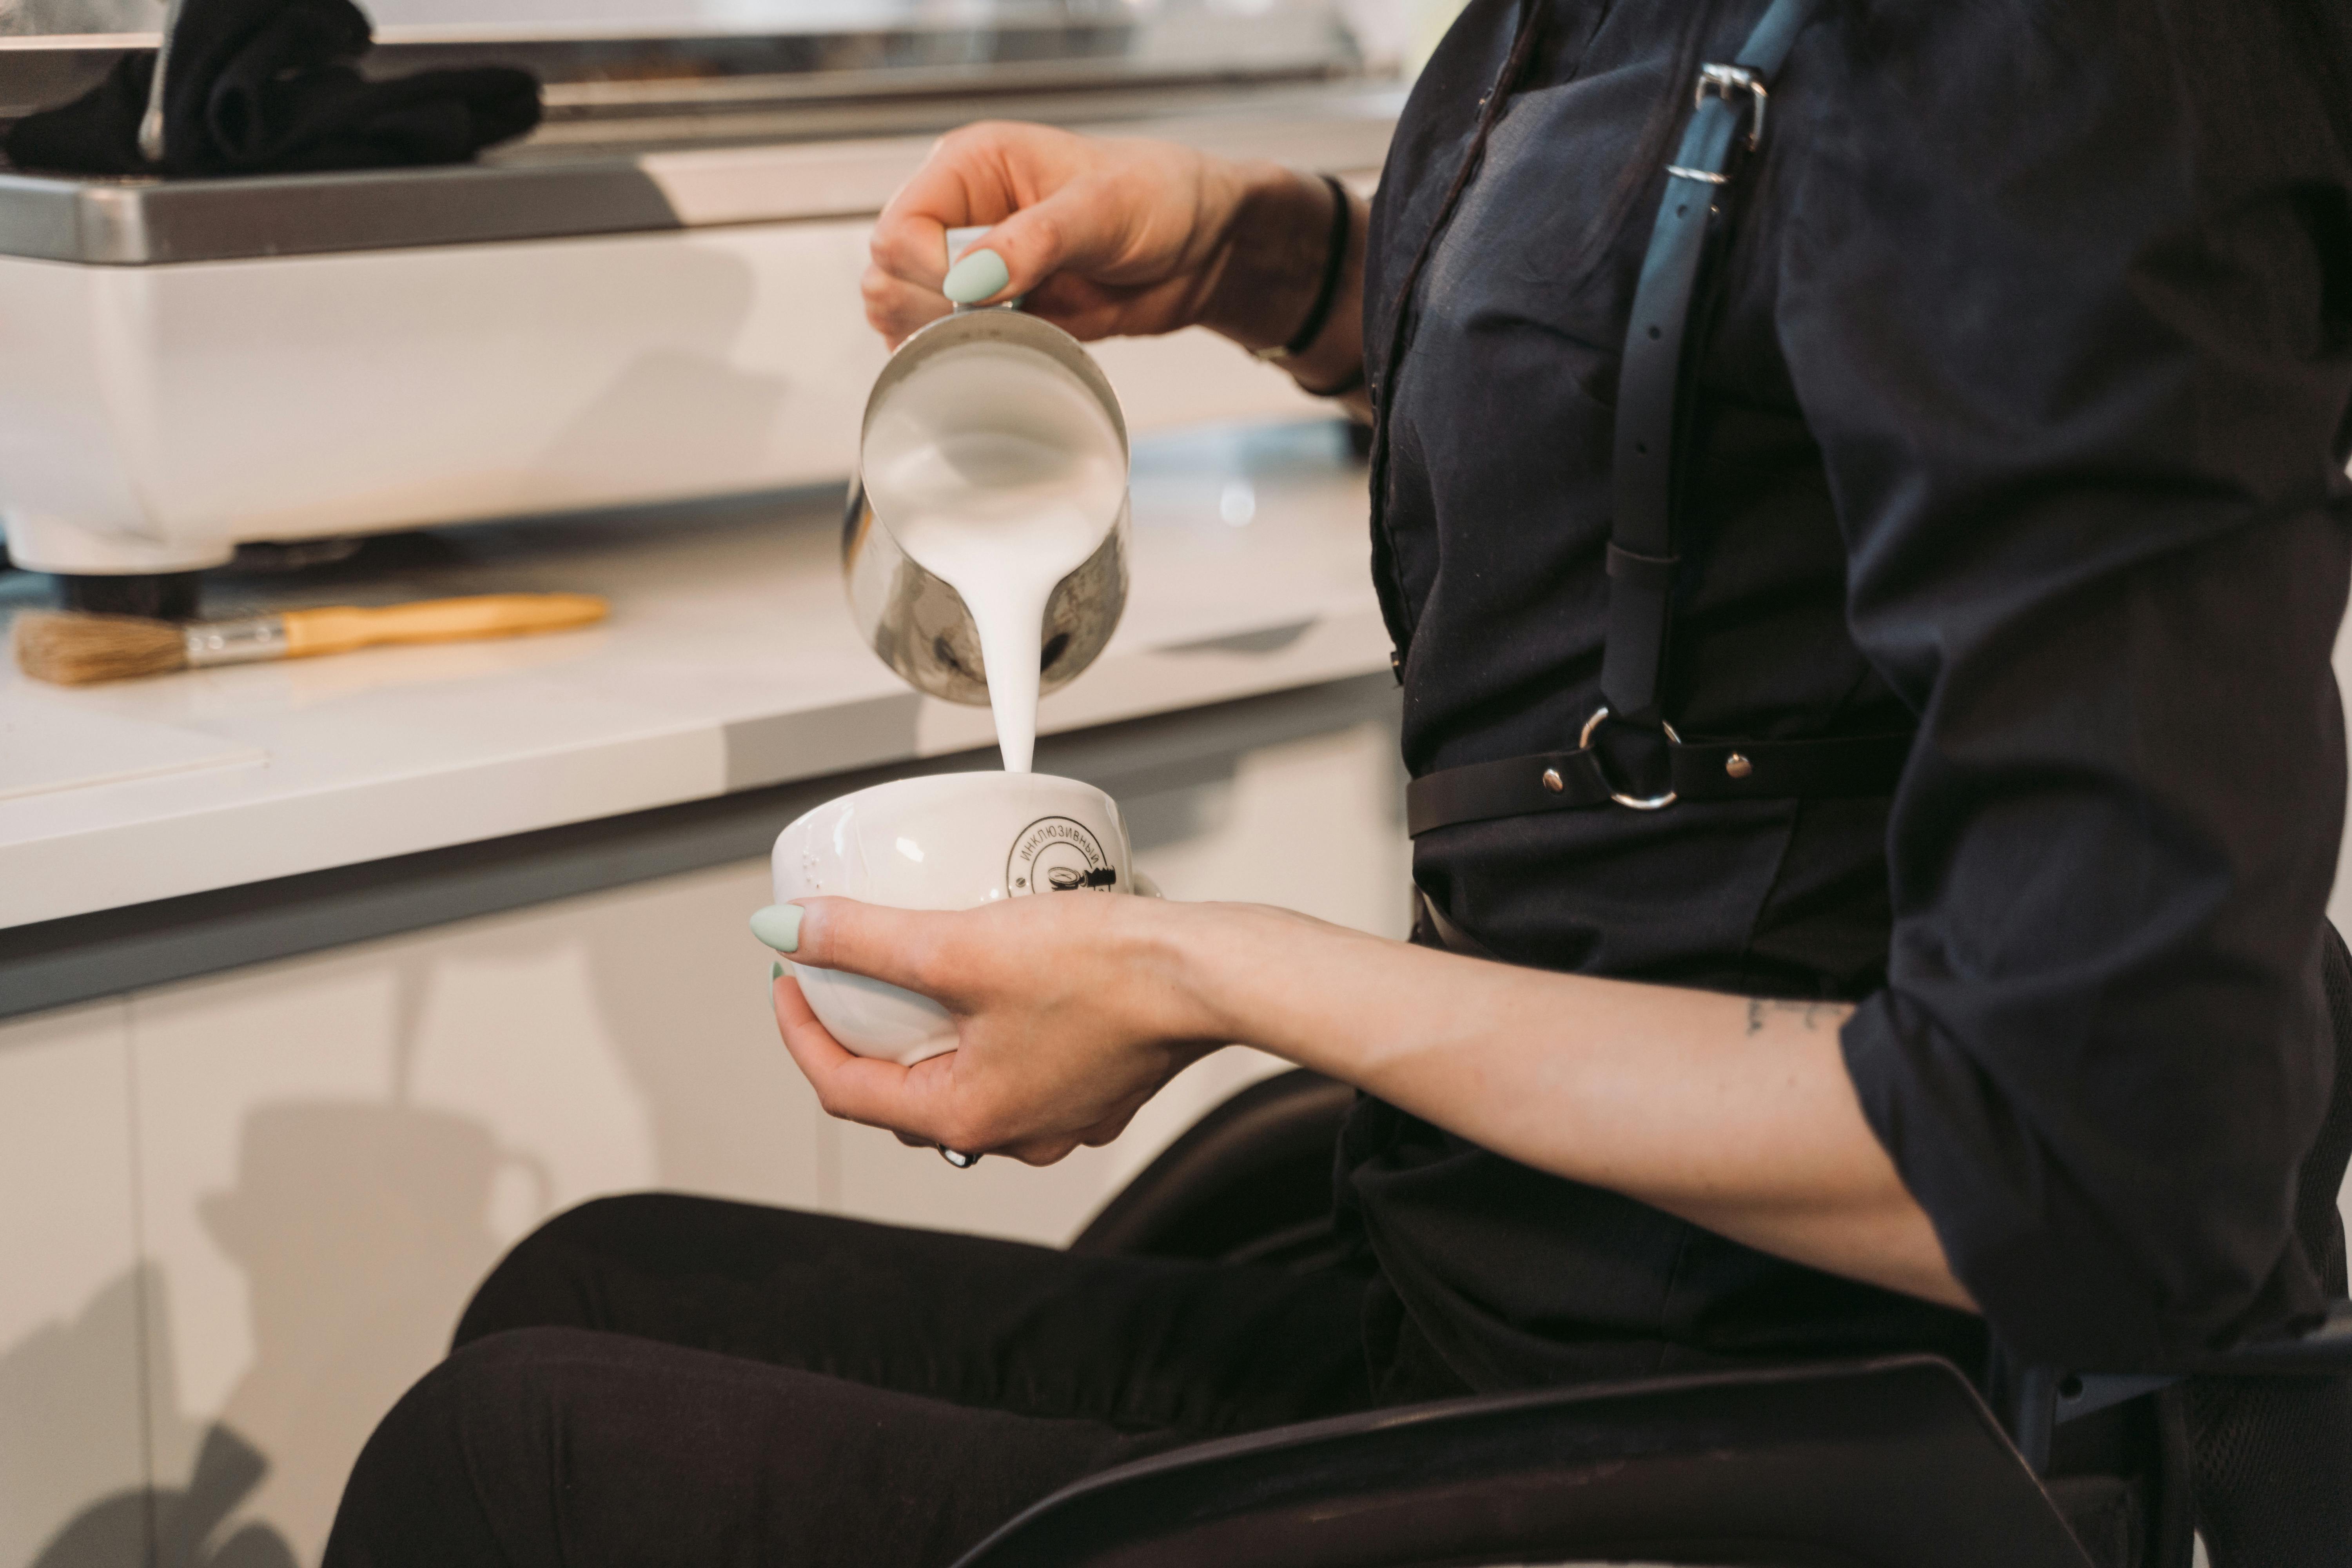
(1278, 247)
(1735, 1113)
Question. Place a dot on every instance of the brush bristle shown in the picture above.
(77, 649)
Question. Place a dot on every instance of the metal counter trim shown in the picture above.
(142, 223)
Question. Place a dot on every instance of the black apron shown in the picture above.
(1512, 1276)
(1507, 249)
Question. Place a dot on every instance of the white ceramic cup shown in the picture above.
(948, 841)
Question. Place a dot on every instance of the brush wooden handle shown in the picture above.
(340, 629)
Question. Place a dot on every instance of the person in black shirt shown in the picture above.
(2022, 404)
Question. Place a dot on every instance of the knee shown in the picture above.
(548, 1278)
(467, 1429)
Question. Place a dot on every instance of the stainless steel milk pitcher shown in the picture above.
(914, 620)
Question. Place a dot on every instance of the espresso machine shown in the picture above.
(652, 298)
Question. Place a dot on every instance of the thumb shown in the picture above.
(1071, 230)
(899, 947)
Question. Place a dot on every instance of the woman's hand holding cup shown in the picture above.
(1070, 1011)
(970, 966)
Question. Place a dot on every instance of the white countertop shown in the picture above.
(729, 662)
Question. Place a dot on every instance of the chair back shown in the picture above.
(1893, 1463)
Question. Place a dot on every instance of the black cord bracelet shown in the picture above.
(1335, 263)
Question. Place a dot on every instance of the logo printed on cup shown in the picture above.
(1055, 854)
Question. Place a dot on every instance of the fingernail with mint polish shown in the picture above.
(775, 972)
(779, 925)
(982, 273)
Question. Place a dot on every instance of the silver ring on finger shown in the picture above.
(961, 1161)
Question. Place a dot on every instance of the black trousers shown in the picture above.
(664, 1379)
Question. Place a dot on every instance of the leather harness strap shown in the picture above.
(1644, 559)
(1652, 390)
(1696, 770)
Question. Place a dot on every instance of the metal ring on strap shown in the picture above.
(1584, 740)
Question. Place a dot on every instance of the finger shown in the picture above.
(910, 246)
(1111, 1126)
(1039, 1151)
(1044, 1149)
(793, 1012)
(896, 309)
(1084, 307)
(1044, 195)
(977, 174)
(1106, 1131)
(899, 947)
(1074, 229)
(851, 1087)
(918, 1104)
(809, 1044)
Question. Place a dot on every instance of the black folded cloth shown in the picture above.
(260, 87)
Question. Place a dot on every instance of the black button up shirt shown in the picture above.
(2022, 412)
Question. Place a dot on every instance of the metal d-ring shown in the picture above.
(961, 1161)
(1584, 743)
(1725, 80)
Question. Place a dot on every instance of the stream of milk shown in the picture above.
(999, 472)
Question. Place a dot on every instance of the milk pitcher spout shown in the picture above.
(910, 615)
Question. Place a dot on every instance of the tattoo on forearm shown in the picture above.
(1815, 1015)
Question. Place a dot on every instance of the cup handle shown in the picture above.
(1145, 888)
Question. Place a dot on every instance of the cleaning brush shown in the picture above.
(74, 650)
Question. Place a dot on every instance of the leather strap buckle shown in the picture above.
(1638, 802)
(1723, 82)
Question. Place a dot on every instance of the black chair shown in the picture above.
(1895, 1462)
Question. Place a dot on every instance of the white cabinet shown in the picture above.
(334, 1149)
(70, 1290)
(293, 1174)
